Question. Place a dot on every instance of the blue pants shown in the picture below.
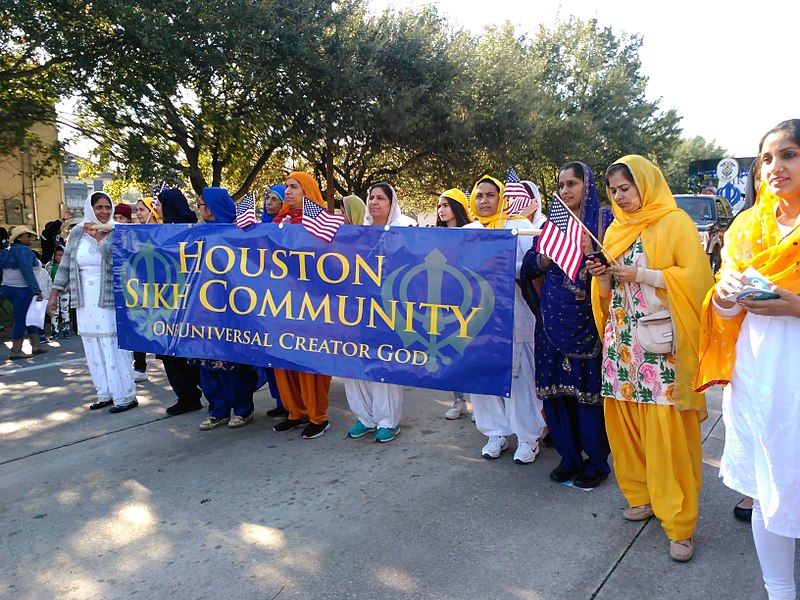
(273, 386)
(226, 390)
(575, 429)
(20, 299)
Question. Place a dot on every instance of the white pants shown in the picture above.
(776, 556)
(110, 368)
(375, 404)
(521, 414)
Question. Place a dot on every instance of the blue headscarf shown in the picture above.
(220, 204)
(566, 306)
(175, 208)
(280, 190)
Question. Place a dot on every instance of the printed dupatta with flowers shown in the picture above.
(629, 373)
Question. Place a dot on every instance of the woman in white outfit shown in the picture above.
(746, 344)
(521, 414)
(87, 271)
(377, 406)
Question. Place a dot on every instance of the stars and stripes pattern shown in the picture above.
(319, 222)
(516, 194)
(561, 239)
(246, 211)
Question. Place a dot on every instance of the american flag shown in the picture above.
(562, 239)
(319, 222)
(518, 197)
(246, 211)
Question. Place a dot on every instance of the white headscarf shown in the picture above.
(396, 218)
(538, 218)
(89, 218)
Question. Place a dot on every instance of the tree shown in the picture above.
(676, 167)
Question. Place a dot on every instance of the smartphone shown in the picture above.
(598, 256)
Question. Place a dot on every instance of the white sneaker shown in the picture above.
(526, 453)
(459, 408)
(139, 376)
(495, 445)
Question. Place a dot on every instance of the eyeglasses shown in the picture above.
(199, 204)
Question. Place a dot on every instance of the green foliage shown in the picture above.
(676, 167)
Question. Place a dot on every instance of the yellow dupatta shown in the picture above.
(671, 244)
(498, 219)
(753, 240)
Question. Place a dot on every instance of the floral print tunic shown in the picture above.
(629, 373)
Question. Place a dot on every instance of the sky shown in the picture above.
(729, 69)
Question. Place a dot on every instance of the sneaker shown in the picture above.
(681, 550)
(314, 430)
(359, 430)
(278, 412)
(638, 513)
(139, 376)
(562, 475)
(66, 333)
(289, 424)
(526, 453)
(239, 421)
(459, 408)
(118, 409)
(587, 482)
(213, 423)
(386, 434)
(495, 446)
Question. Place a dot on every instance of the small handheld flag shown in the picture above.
(246, 212)
(561, 239)
(517, 194)
(319, 222)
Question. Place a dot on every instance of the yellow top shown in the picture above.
(753, 240)
(670, 242)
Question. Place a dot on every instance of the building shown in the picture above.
(27, 195)
(76, 187)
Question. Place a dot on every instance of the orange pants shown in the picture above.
(304, 394)
(658, 460)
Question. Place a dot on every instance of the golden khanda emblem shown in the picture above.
(437, 330)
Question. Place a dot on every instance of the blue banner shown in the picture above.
(426, 307)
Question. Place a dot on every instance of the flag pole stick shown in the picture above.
(586, 229)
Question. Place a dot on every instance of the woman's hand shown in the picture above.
(52, 303)
(730, 282)
(596, 268)
(39, 297)
(788, 305)
(623, 273)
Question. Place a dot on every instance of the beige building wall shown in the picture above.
(25, 198)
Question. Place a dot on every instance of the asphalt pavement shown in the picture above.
(100, 506)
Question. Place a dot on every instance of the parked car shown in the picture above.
(712, 215)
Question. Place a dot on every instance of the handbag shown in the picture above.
(656, 331)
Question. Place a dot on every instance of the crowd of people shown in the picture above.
(611, 363)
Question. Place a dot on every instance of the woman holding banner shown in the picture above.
(86, 270)
(304, 395)
(377, 406)
(183, 377)
(226, 385)
(521, 414)
(568, 347)
(749, 345)
(652, 412)
(452, 210)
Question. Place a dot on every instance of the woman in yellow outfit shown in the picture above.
(652, 413)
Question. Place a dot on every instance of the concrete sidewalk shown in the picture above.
(96, 505)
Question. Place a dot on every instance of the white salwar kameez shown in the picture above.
(375, 404)
(110, 367)
(761, 411)
(521, 414)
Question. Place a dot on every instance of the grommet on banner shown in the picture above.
(386, 228)
(514, 231)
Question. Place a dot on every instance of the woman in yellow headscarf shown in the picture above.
(749, 345)
(521, 414)
(652, 412)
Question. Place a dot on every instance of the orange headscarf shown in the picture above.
(498, 219)
(670, 242)
(310, 190)
(753, 240)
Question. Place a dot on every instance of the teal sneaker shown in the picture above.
(359, 430)
(386, 435)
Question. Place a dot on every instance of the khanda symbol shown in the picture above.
(150, 266)
(465, 289)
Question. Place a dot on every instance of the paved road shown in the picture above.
(141, 505)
